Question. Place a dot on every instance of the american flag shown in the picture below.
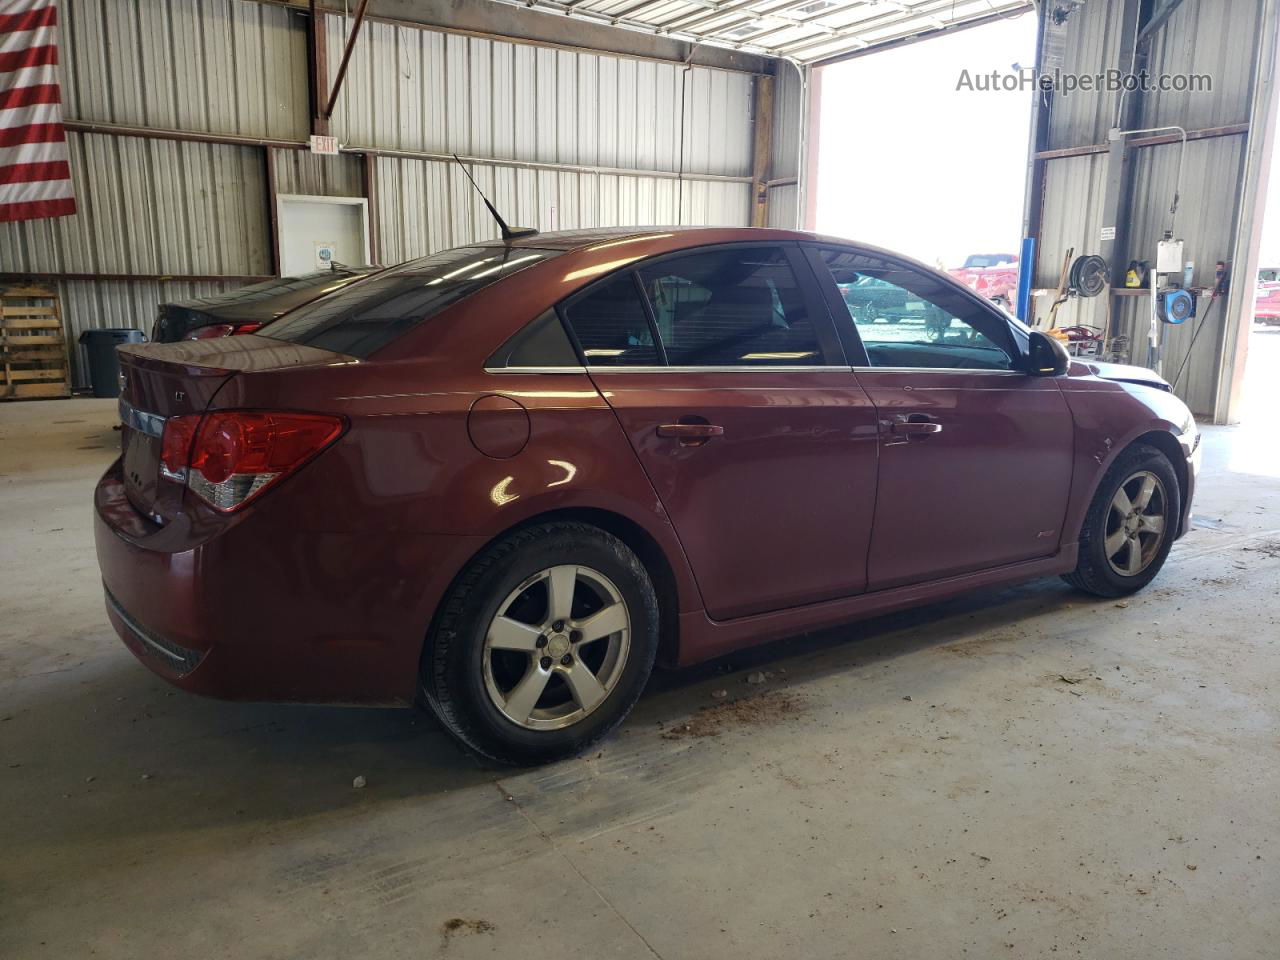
(35, 180)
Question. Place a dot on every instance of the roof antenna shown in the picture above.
(508, 233)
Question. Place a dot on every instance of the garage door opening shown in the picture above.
(918, 153)
(1260, 391)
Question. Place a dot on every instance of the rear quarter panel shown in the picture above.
(406, 474)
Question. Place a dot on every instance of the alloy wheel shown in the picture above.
(1136, 523)
(557, 647)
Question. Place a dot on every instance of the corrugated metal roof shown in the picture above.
(802, 30)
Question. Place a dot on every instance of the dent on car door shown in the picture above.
(724, 371)
(975, 455)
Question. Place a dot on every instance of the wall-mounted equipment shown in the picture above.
(1090, 275)
(1176, 305)
(1169, 255)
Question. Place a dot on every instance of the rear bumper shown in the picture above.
(261, 608)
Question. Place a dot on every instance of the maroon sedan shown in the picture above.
(508, 478)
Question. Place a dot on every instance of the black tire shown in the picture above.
(1094, 572)
(453, 664)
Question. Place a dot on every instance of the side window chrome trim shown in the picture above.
(965, 370)
(743, 368)
(535, 369)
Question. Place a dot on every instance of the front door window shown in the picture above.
(907, 318)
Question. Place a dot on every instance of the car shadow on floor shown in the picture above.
(105, 748)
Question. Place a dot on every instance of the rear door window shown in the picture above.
(737, 306)
(611, 324)
(369, 314)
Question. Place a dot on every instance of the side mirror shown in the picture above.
(1046, 356)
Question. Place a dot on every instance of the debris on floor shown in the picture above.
(359, 783)
(458, 926)
(767, 708)
(756, 677)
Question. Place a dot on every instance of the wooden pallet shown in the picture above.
(33, 347)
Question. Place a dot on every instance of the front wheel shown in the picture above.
(1129, 529)
(543, 645)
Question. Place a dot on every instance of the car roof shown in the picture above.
(577, 239)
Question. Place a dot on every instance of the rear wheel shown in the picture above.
(543, 645)
(1129, 529)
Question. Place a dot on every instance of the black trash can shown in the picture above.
(104, 365)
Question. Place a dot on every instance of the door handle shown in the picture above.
(915, 426)
(690, 431)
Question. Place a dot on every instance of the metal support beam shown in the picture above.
(1158, 20)
(273, 219)
(371, 194)
(1117, 193)
(317, 68)
(157, 133)
(346, 60)
(761, 151)
(1152, 140)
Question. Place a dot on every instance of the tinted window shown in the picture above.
(730, 308)
(371, 313)
(909, 318)
(612, 325)
(542, 343)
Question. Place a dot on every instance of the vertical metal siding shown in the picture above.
(415, 89)
(1092, 45)
(300, 171)
(424, 206)
(151, 207)
(213, 66)
(788, 133)
(92, 305)
(1210, 184)
(1214, 38)
(788, 122)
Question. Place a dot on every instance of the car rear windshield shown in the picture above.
(371, 313)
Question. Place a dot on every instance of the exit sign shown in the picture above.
(325, 145)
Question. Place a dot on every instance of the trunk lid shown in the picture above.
(159, 381)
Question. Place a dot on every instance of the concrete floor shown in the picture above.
(1019, 773)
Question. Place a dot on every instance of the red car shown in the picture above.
(992, 275)
(1266, 305)
(506, 479)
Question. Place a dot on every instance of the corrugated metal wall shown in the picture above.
(789, 122)
(212, 66)
(151, 207)
(1214, 38)
(317, 175)
(425, 205)
(413, 89)
(158, 207)
(96, 305)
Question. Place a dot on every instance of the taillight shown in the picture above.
(228, 457)
(247, 328)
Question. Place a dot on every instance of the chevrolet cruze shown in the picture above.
(506, 479)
